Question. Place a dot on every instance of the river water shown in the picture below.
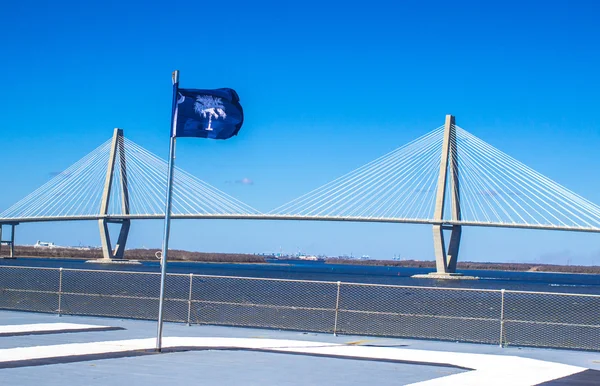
(304, 270)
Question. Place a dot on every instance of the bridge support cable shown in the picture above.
(400, 184)
(77, 191)
(497, 189)
(191, 196)
(133, 189)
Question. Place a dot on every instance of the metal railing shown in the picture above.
(500, 317)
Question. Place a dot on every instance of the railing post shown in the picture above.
(337, 307)
(502, 318)
(190, 300)
(60, 277)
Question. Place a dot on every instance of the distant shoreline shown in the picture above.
(469, 265)
(137, 254)
(239, 258)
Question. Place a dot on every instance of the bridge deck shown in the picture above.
(277, 217)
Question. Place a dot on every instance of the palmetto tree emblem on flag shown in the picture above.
(215, 114)
(211, 107)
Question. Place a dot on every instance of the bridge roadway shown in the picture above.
(448, 223)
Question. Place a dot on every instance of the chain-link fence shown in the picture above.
(502, 317)
(420, 312)
(551, 320)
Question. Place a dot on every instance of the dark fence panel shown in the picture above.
(484, 316)
(420, 312)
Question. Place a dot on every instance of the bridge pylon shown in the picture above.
(447, 187)
(117, 152)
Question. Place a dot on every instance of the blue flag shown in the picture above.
(213, 114)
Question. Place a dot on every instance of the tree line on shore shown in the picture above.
(137, 254)
(470, 265)
(215, 257)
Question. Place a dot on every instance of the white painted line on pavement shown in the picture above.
(487, 369)
(22, 329)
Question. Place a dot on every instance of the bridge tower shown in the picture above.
(445, 259)
(117, 152)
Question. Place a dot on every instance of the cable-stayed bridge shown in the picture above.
(447, 178)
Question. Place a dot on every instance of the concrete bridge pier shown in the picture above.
(10, 242)
(110, 254)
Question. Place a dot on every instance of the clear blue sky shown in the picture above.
(326, 87)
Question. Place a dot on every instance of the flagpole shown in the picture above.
(167, 230)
